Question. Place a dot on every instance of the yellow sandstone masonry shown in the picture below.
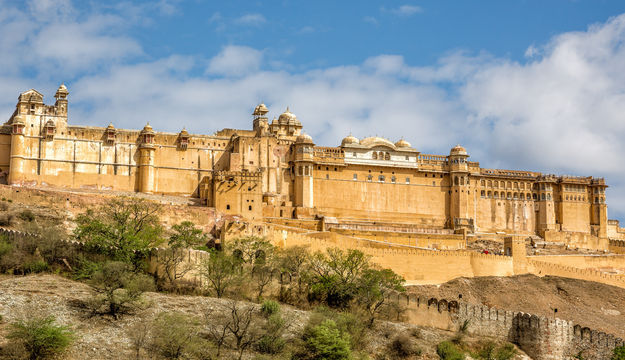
(371, 187)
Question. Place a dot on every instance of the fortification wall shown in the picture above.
(577, 239)
(72, 203)
(615, 231)
(540, 337)
(542, 268)
(584, 261)
(434, 241)
(416, 265)
(190, 264)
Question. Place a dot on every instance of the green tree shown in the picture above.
(125, 228)
(186, 235)
(374, 287)
(118, 289)
(220, 272)
(325, 341)
(41, 337)
(333, 276)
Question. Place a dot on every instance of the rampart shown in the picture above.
(188, 266)
(540, 337)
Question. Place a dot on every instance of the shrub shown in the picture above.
(175, 336)
(490, 350)
(619, 353)
(325, 341)
(449, 351)
(26, 215)
(119, 290)
(270, 345)
(403, 346)
(6, 219)
(269, 307)
(40, 337)
(36, 266)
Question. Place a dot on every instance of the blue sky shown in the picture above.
(535, 85)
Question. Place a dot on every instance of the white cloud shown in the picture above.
(370, 19)
(235, 61)
(404, 10)
(250, 19)
(559, 110)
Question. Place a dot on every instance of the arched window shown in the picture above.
(496, 194)
(387, 156)
(483, 193)
(548, 196)
(456, 180)
(375, 155)
(596, 200)
(509, 196)
(490, 195)
(567, 198)
(534, 196)
(490, 183)
(528, 196)
(369, 178)
(509, 185)
(516, 185)
(496, 183)
(515, 196)
(542, 197)
(483, 182)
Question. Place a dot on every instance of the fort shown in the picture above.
(415, 213)
(275, 170)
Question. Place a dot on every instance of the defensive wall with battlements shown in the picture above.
(540, 337)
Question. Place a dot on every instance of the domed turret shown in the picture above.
(147, 129)
(288, 118)
(402, 144)
(260, 110)
(304, 139)
(62, 92)
(458, 150)
(110, 127)
(184, 132)
(349, 140)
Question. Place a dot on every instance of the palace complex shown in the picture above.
(275, 170)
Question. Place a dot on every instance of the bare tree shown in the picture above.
(217, 323)
(242, 326)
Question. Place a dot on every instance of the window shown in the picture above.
(542, 196)
(483, 193)
(249, 208)
(227, 207)
(407, 180)
(354, 154)
(355, 176)
(483, 182)
(375, 155)
(407, 157)
(387, 156)
(327, 176)
(393, 179)
(369, 178)
(433, 183)
(381, 178)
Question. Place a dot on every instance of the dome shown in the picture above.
(110, 127)
(304, 138)
(288, 118)
(62, 88)
(184, 132)
(402, 144)
(147, 128)
(375, 141)
(260, 110)
(50, 123)
(350, 140)
(458, 150)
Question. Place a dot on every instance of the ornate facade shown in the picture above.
(274, 170)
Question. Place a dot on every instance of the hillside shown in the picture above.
(104, 338)
(591, 304)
